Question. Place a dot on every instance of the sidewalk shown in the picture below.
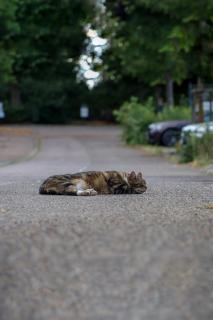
(16, 143)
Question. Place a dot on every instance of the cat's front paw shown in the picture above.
(88, 192)
(92, 192)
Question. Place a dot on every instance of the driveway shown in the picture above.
(126, 257)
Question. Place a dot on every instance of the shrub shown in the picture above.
(48, 100)
(175, 113)
(200, 149)
(16, 114)
(186, 151)
(135, 117)
(44, 100)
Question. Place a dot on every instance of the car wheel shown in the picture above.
(170, 137)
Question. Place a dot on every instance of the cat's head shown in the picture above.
(136, 182)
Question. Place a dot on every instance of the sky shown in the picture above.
(96, 45)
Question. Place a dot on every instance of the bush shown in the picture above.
(186, 151)
(48, 100)
(174, 113)
(45, 101)
(200, 149)
(16, 114)
(135, 117)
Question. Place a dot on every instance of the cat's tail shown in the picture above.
(42, 189)
(49, 186)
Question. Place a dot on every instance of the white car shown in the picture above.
(197, 129)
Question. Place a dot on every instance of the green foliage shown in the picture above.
(186, 151)
(40, 44)
(139, 37)
(135, 117)
(16, 114)
(200, 149)
(174, 113)
(8, 27)
(102, 103)
(51, 34)
(48, 100)
(159, 40)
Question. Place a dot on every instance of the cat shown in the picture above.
(92, 183)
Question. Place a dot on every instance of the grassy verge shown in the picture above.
(198, 151)
(157, 151)
(174, 155)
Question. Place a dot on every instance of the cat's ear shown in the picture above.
(139, 176)
(132, 175)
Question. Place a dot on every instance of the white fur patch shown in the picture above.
(87, 192)
(80, 186)
(125, 178)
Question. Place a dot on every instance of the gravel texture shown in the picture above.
(126, 257)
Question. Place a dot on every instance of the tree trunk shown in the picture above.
(200, 90)
(159, 99)
(15, 95)
(169, 91)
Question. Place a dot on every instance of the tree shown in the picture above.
(48, 42)
(8, 27)
(138, 36)
(192, 33)
(159, 41)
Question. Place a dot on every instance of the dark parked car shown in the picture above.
(166, 133)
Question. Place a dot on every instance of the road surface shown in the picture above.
(126, 257)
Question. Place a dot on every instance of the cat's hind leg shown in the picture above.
(81, 188)
(71, 190)
(78, 191)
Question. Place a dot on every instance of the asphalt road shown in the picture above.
(126, 257)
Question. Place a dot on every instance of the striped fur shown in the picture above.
(93, 183)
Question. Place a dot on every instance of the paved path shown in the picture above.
(127, 257)
(16, 144)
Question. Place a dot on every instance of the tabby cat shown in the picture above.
(92, 183)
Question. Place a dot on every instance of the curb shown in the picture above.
(37, 142)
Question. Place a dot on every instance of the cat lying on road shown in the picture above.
(92, 183)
